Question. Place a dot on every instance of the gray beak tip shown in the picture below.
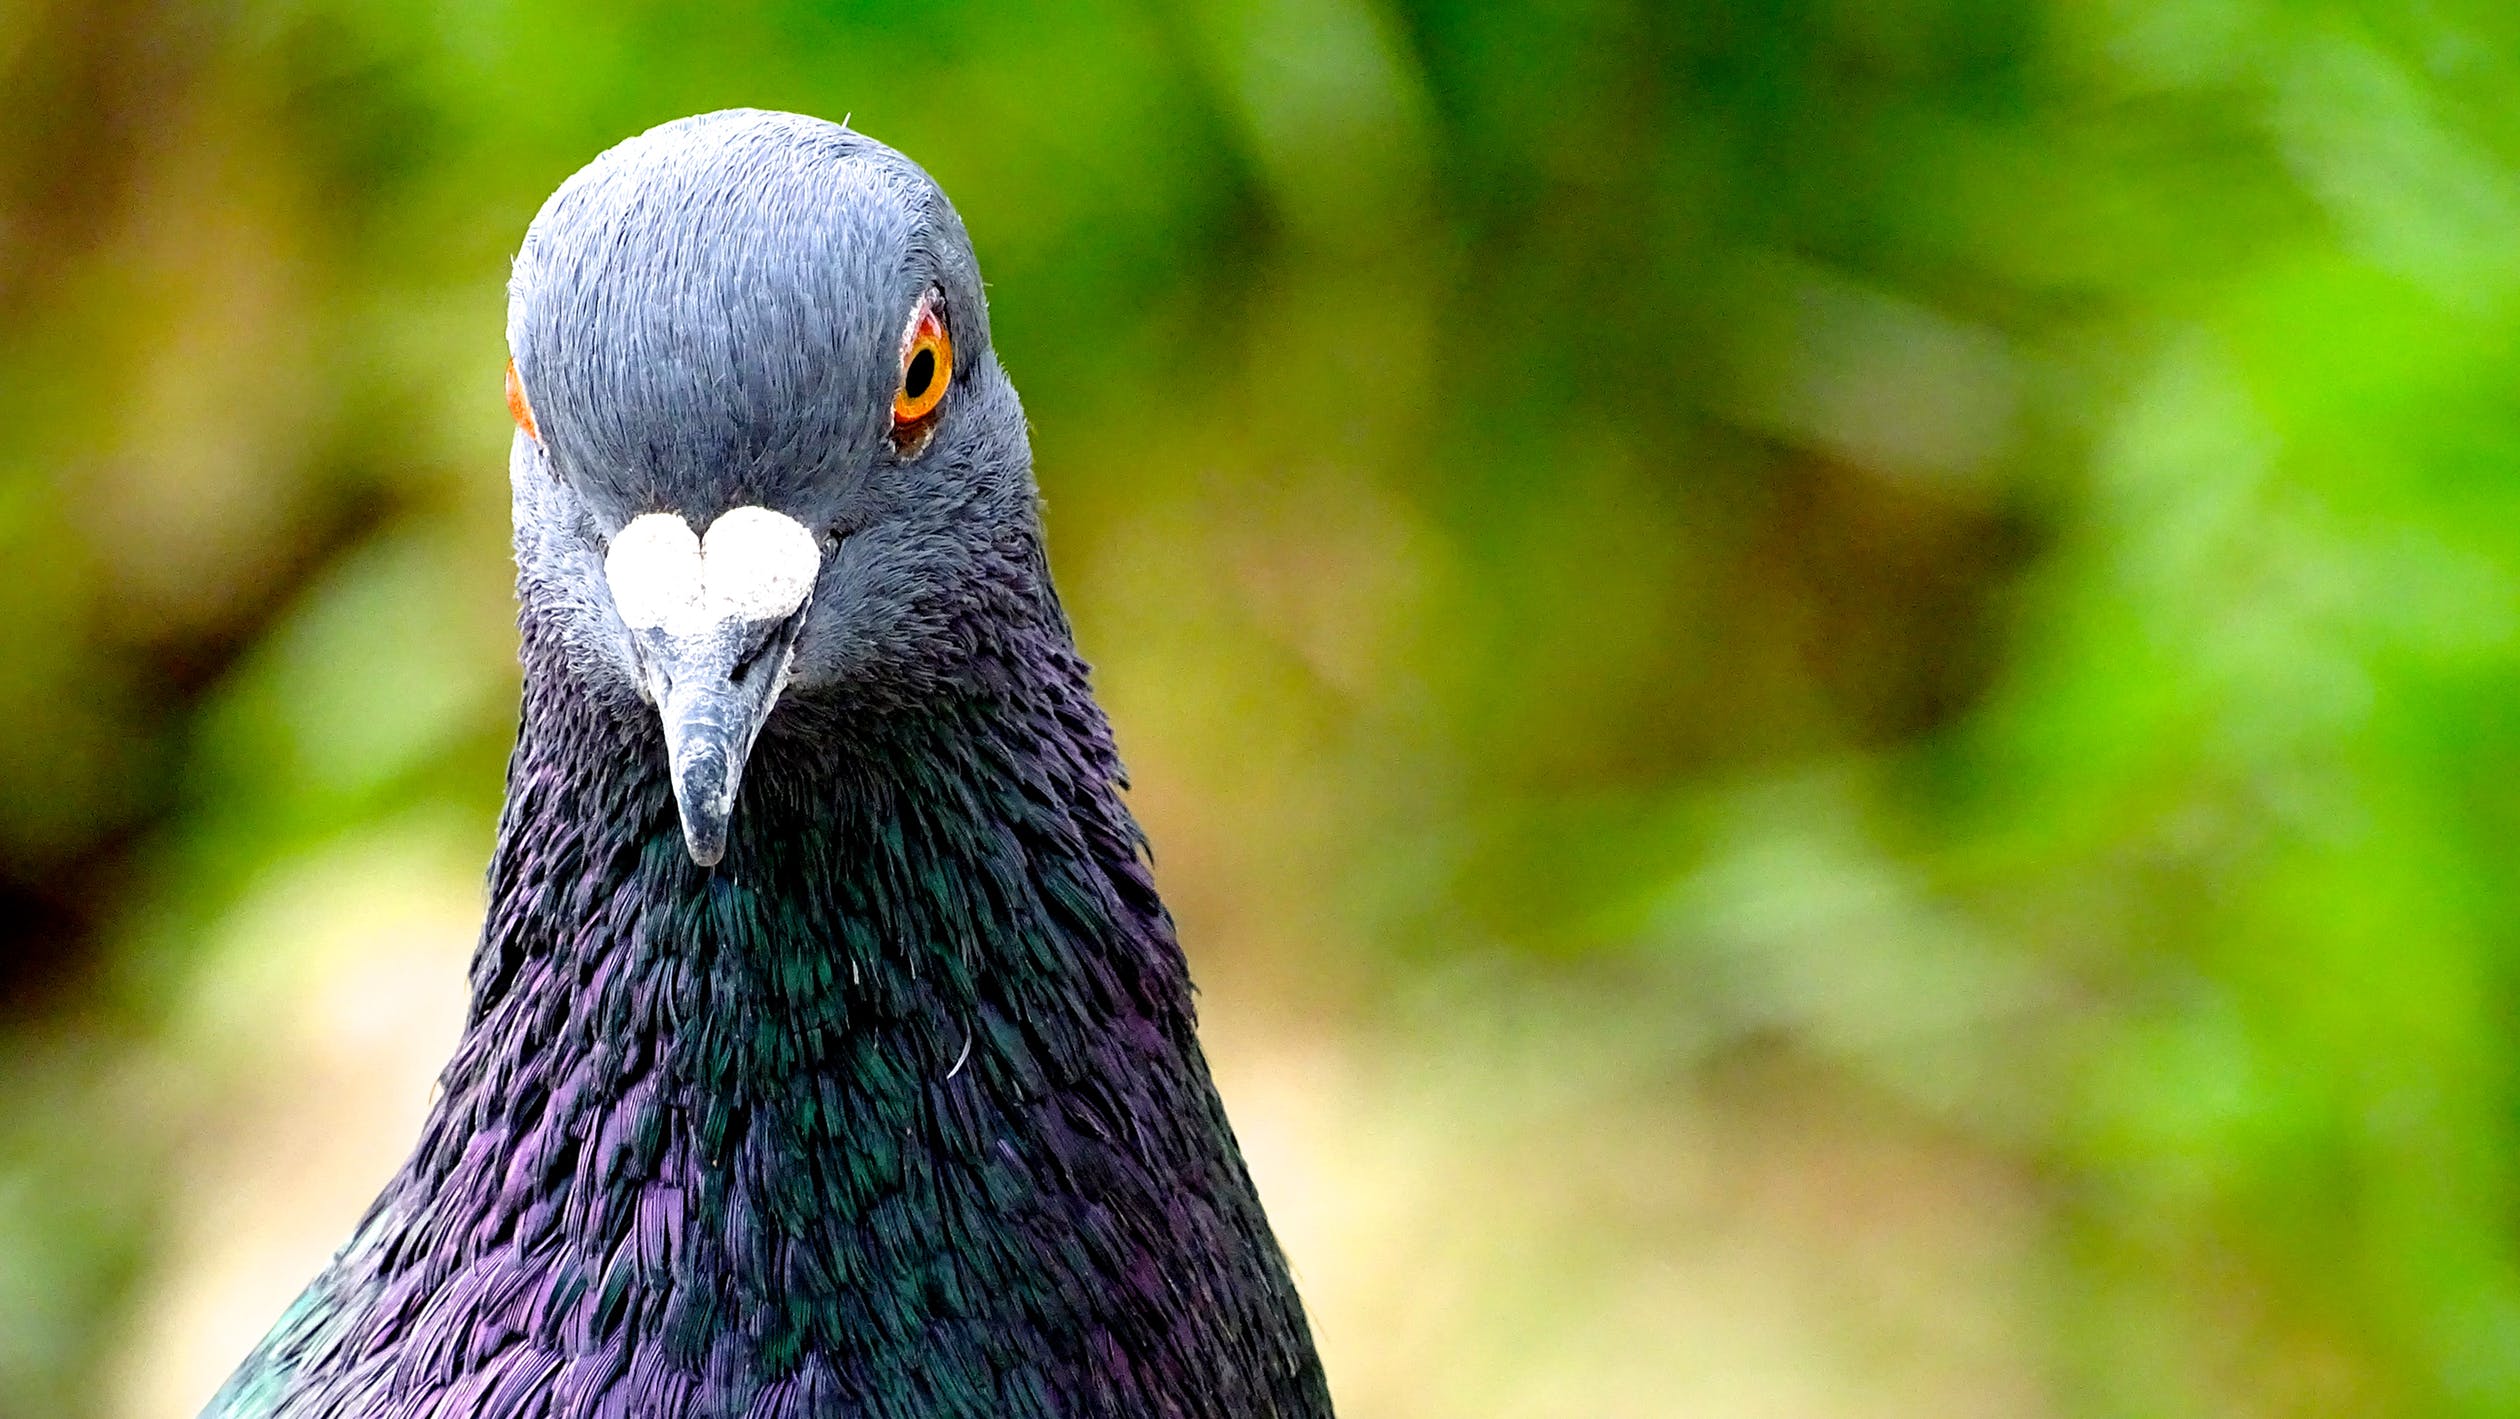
(705, 773)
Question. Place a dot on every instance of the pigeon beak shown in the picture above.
(713, 626)
(713, 691)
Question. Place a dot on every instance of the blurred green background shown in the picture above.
(1831, 691)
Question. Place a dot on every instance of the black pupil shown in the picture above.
(914, 381)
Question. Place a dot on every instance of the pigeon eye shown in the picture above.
(927, 364)
(518, 408)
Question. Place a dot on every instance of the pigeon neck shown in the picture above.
(903, 1099)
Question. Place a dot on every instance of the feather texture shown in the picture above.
(898, 1112)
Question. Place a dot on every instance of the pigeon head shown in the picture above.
(765, 460)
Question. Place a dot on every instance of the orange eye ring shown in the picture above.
(519, 408)
(927, 365)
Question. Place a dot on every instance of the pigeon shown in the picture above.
(830, 1051)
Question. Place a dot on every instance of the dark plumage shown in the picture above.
(895, 1110)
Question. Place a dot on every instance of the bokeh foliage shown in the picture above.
(1963, 555)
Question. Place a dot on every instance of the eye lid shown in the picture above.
(930, 307)
(520, 407)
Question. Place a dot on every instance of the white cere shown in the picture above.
(754, 565)
(757, 565)
(653, 568)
